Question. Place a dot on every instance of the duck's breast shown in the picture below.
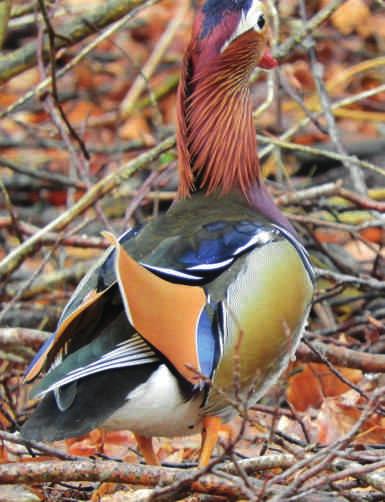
(266, 307)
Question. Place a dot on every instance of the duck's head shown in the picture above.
(223, 25)
(216, 136)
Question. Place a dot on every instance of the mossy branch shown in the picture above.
(21, 59)
(5, 9)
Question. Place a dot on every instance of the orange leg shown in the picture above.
(145, 446)
(228, 430)
(103, 489)
(100, 440)
(211, 428)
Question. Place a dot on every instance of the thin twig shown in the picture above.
(35, 445)
(131, 11)
(356, 175)
(55, 93)
(149, 67)
(104, 14)
(99, 190)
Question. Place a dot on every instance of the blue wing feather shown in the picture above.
(208, 344)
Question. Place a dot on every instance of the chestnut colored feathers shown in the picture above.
(215, 135)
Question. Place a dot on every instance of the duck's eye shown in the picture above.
(261, 21)
(251, 19)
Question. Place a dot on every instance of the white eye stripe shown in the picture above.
(253, 19)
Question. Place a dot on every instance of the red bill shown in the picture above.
(267, 61)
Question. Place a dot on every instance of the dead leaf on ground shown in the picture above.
(313, 383)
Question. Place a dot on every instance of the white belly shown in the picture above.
(157, 408)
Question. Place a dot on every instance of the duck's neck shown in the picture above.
(216, 138)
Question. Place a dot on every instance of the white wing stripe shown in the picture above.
(130, 352)
(123, 360)
(171, 272)
(118, 363)
(126, 349)
(103, 367)
(211, 266)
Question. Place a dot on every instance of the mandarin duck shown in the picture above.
(149, 339)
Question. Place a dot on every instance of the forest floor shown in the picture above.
(93, 148)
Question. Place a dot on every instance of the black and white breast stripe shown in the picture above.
(202, 272)
(300, 249)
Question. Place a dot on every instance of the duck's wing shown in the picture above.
(87, 308)
(84, 319)
(117, 346)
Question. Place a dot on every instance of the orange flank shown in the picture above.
(161, 311)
